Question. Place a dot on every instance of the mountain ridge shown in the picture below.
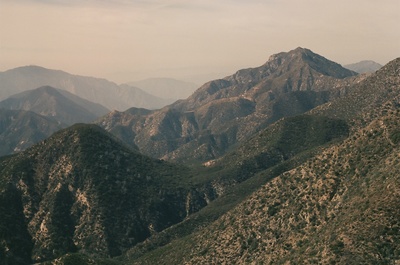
(301, 167)
(321, 206)
(366, 66)
(225, 111)
(74, 188)
(59, 105)
(98, 90)
(339, 206)
(35, 128)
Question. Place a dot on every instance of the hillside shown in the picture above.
(360, 104)
(60, 105)
(82, 190)
(101, 91)
(241, 172)
(224, 112)
(337, 207)
(21, 129)
(319, 187)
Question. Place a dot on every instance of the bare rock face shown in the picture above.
(224, 112)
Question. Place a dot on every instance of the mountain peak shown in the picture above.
(49, 90)
(299, 51)
(51, 102)
(300, 57)
(81, 131)
(366, 66)
(87, 193)
(302, 51)
(32, 69)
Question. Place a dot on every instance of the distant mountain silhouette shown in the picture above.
(96, 90)
(57, 104)
(364, 67)
(21, 129)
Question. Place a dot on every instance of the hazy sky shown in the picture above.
(126, 40)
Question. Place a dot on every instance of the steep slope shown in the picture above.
(339, 207)
(281, 147)
(98, 90)
(138, 98)
(378, 105)
(21, 129)
(224, 112)
(364, 67)
(50, 102)
(360, 104)
(120, 124)
(296, 70)
(82, 190)
(167, 88)
(97, 109)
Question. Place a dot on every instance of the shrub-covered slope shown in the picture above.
(340, 207)
(82, 190)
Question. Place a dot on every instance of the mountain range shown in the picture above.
(295, 161)
(101, 91)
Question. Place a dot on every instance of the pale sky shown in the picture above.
(127, 40)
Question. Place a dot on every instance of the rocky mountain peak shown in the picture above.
(219, 112)
(298, 69)
(301, 57)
